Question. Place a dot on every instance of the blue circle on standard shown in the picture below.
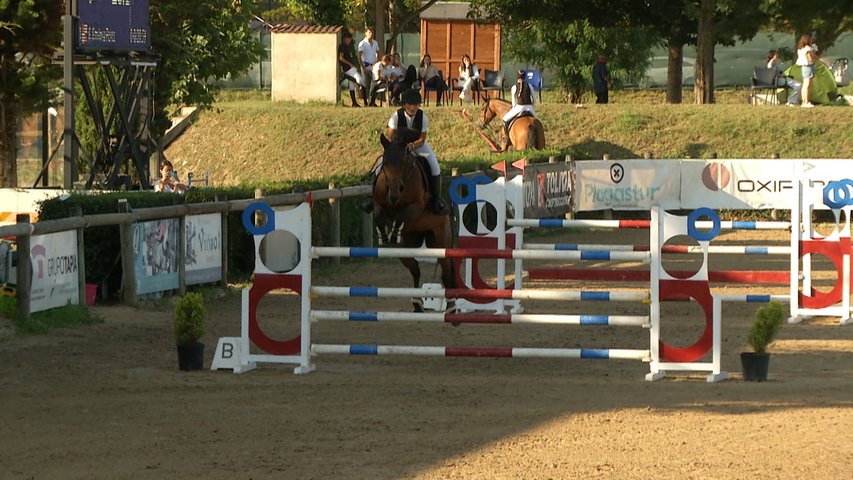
(837, 194)
(248, 221)
(694, 217)
(470, 185)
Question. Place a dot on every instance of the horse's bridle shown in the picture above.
(483, 121)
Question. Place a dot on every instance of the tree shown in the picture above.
(570, 50)
(675, 21)
(703, 89)
(198, 42)
(29, 33)
(828, 19)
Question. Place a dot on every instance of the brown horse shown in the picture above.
(403, 214)
(524, 134)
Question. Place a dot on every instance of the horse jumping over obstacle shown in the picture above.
(525, 133)
(403, 214)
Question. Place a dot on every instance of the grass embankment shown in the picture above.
(246, 139)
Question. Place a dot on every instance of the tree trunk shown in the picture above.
(674, 76)
(703, 90)
(8, 144)
(379, 15)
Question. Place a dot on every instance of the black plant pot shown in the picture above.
(755, 366)
(191, 356)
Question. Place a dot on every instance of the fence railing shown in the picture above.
(23, 230)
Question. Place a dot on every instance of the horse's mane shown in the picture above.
(493, 99)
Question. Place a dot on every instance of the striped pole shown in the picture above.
(704, 224)
(753, 298)
(723, 249)
(540, 254)
(482, 318)
(507, 352)
(482, 294)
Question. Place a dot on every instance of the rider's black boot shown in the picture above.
(435, 191)
(506, 135)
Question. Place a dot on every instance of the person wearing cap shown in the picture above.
(522, 101)
(409, 125)
(600, 80)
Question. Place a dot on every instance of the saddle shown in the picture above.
(514, 119)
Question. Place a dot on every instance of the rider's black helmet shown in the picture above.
(410, 96)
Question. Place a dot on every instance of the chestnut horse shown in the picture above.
(403, 214)
(524, 134)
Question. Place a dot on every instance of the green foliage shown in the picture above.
(570, 49)
(8, 307)
(827, 19)
(198, 42)
(318, 12)
(61, 317)
(768, 320)
(190, 318)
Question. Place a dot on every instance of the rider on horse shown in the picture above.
(522, 102)
(409, 125)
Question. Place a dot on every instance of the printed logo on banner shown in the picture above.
(715, 176)
(203, 261)
(547, 190)
(617, 173)
(54, 262)
(540, 187)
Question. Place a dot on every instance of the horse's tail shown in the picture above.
(532, 132)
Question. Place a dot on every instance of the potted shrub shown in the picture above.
(768, 320)
(190, 325)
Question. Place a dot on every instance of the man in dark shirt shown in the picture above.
(600, 80)
(349, 68)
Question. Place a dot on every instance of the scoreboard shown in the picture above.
(113, 25)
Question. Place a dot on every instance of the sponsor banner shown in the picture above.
(155, 249)
(548, 190)
(54, 262)
(203, 263)
(626, 184)
(754, 183)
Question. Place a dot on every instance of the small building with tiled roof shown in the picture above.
(304, 63)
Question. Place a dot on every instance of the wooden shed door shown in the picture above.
(447, 40)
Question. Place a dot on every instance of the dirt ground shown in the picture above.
(108, 401)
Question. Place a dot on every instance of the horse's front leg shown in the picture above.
(380, 223)
(415, 270)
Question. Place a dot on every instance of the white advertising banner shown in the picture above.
(626, 184)
(753, 183)
(204, 248)
(54, 262)
(23, 200)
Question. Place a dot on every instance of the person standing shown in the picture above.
(601, 80)
(350, 69)
(806, 56)
(368, 53)
(782, 80)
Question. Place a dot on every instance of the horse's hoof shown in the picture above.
(418, 308)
